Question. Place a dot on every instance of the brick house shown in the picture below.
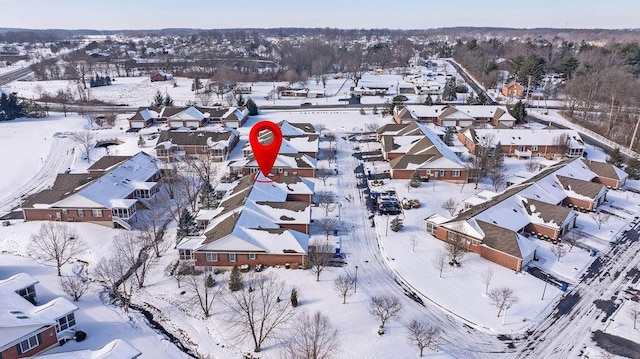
(257, 223)
(160, 76)
(27, 328)
(215, 143)
(235, 117)
(497, 226)
(297, 138)
(513, 89)
(110, 199)
(191, 117)
(285, 165)
(607, 174)
(416, 147)
(524, 143)
(455, 115)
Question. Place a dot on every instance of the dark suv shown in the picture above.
(389, 208)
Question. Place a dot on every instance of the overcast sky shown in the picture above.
(347, 14)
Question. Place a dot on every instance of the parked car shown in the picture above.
(336, 262)
(389, 208)
(305, 104)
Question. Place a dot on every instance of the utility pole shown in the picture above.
(528, 90)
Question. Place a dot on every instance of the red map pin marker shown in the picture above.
(265, 154)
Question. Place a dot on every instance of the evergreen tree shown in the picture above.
(396, 224)
(240, 100)
(210, 282)
(519, 111)
(196, 85)
(141, 141)
(471, 100)
(186, 224)
(294, 297)
(633, 168)
(11, 107)
(416, 180)
(449, 90)
(207, 196)
(482, 99)
(158, 100)
(168, 101)
(448, 137)
(428, 100)
(235, 279)
(252, 107)
(615, 158)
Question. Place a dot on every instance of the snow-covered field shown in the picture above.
(455, 299)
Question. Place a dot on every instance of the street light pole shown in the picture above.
(545, 287)
(355, 282)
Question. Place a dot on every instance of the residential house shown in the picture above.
(513, 89)
(115, 349)
(455, 115)
(111, 199)
(235, 117)
(297, 138)
(201, 143)
(28, 328)
(416, 147)
(191, 117)
(497, 225)
(256, 223)
(607, 174)
(160, 76)
(524, 143)
(286, 164)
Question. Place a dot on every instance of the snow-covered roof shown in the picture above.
(115, 185)
(528, 136)
(19, 318)
(115, 349)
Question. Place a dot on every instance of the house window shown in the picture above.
(534, 147)
(211, 257)
(186, 254)
(252, 256)
(204, 149)
(27, 293)
(475, 242)
(208, 269)
(452, 236)
(522, 148)
(66, 322)
(280, 170)
(29, 344)
(81, 213)
(65, 211)
(232, 257)
(441, 173)
(455, 173)
(96, 212)
(431, 228)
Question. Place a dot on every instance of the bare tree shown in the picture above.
(259, 311)
(328, 225)
(487, 276)
(131, 248)
(178, 270)
(187, 186)
(498, 176)
(318, 257)
(600, 218)
(372, 127)
(503, 298)
(572, 238)
(326, 202)
(115, 275)
(532, 165)
(440, 261)
(477, 168)
(230, 98)
(562, 143)
(343, 285)
(324, 173)
(56, 242)
(205, 97)
(312, 337)
(423, 335)
(559, 251)
(74, 286)
(86, 140)
(455, 248)
(205, 167)
(634, 313)
(153, 223)
(450, 205)
(204, 291)
(385, 307)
